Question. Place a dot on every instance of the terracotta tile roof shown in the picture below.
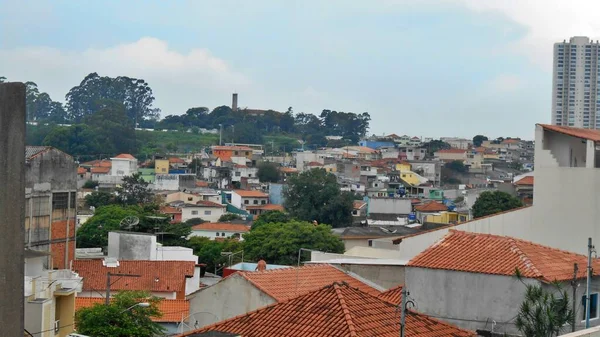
(452, 151)
(176, 160)
(81, 170)
(357, 204)
(286, 283)
(392, 135)
(392, 295)
(288, 169)
(348, 155)
(172, 310)
(251, 194)
(335, 310)
(525, 181)
(231, 148)
(415, 201)
(359, 149)
(314, 163)
(100, 169)
(221, 226)
(240, 166)
(500, 255)
(590, 134)
(431, 207)
(201, 183)
(125, 156)
(206, 203)
(267, 207)
(170, 210)
(511, 141)
(171, 275)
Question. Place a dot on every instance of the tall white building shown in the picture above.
(575, 83)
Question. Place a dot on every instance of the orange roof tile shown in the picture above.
(201, 183)
(335, 310)
(81, 170)
(231, 148)
(206, 203)
(525, 181)
(170, 210)
(431, 207)
(125, 156)
(590, 134)
(286, 283)
(511, 141)
(100, 169)
(392, 295)
(171, 275)
(221, 226)
(176, 160)
(357, 204)
(360, 149)
(314, 163)
(172, 310)
(98, 163)
(288, 169)
(267, 207)
(251, 194)
(500, 255)
(392, 135)
(452, 151)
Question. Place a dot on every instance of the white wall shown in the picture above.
(390, 205)
(236, 200)
(215, 213)
(123, 167)
(212, 234)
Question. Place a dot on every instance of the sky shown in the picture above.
(431, 68)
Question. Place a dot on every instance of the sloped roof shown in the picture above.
(172, 310)
(591, 134)
(201, 183)
(357, 204)
(431, 207)
(335, 310)
(288, 169)
(81, 170)
(251, 194)
(221, 226)
(206, 203)
(100, 169)
(170, 210)
(125, 156)
(171, 275)
(231, 148)
(314, 163)
(286, 283)
(500, 255)
(392, 295)
(176, 160)
(32, 151)
(525, 181)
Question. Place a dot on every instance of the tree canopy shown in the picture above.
(268, 172)
(134, 191)
(122, 317)
(271, 217)
(456, 166)
(209, 251)
(492, 202)
(435, 145)
(315, 195)
(279, 243)
(478, 140)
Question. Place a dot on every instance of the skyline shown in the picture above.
(429, 68)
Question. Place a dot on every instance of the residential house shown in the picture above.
(476, 273)
(244, 292)
(432, 207)
(174, 182)
(177, 163)
(359, 210)
(287, 172)
(243, 198)
(99, 172)
(334, 310)
(164, 279)
(173, 212)
(207, 210)
(446, 217)
(524, 189)
(458, 143)
(473, 159)
(226, 153)
(243, 171)
(49, 302)
(123, 165)
(430, 170)
(50, 204)
(138, 246)
(161, 166)
(362, 152)
(412, 153)
(220, 230)
(201, 194)
(257, 210)
(448, 155)
(173, 312)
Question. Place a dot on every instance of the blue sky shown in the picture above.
(426, 68)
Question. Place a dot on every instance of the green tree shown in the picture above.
(268, 172)
(94, 232)
(112, 128)
(544, 313)
(271, 217)
(228, 217)
(478, 140)
(279, 243)
(99, 198)
(435, 145)
(194, 221)
(494, 202)
(122, 318)
(209, 251)
(316, 195)
(134, 191)
(75, 140)
(456, 166)
(90, 184)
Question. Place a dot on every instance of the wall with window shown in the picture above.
(211, 214)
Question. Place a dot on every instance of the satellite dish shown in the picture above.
(128, 222)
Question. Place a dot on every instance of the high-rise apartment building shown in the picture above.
(575, 93)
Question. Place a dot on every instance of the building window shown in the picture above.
(60, 200)
(72, 200)
(237, 174)
(593, 306)
(263, 202)
(222, 234)
(255, 202)
(236, 153)
(194, 212)
(189, 198)
(370, 243)
(207, 212)
(246, 202)
(217, 234)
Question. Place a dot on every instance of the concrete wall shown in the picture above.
(389, 205)
(231, 297)
(591, 332)
(134, 246)
(213, 216)
(384, 276)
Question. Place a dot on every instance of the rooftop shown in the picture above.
(250, 194)
(125, 156)
(525, 181)
(172, 310)
(100, 169)
(431, 207)
(288, 169)
(590, 134)
(171, 275)
(374, 232)
(314, 164)
(221, 226)
(500, 255)
(357, 204)
(176, 160)
(206, 203)
(267, 207)
(170, 210)
(392, 295)
(231, 148)
(452, 151)
(334, 310)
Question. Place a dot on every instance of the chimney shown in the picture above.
(234, 105)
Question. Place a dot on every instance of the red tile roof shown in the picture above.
(170, 210)
(206, 203)
(100, 169)
(176, 160)
(286, 283)
(392, 295)
(125, 156)
(357, 204)
(81, 170)
(171, 275)
(267, 207)
(221, 226)
(251, 194)
(590, 134)
(172, 310)
(231, 148)
(452, 151)
(201, 183)
(314, 163)
(525, 181)
(431, 207)
(500, 255)
(288, 169)
(335, 310)
(511, 141)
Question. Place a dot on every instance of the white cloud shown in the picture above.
(179, 80)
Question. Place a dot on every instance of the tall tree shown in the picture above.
(75, 140)
(494, 202)
(435, 145)
(478, 140)
(134, 191)
(112, 128)
(315, 195)
(271, 217)
(268, 172)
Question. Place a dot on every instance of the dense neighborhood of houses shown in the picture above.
(412, 234)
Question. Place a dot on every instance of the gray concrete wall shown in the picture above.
(389, 206)
(51, 170)
(12, 207)
(384, 276)
(231, 297)
(134, 246)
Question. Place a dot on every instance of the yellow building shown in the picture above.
(446, 218)
(403, 166)
(411, 178)
(161, 166)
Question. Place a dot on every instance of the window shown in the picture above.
(263, 202)
(190, 198)
(370, 243)
(593, 306)
(237, 174)
(60, 200)
(217, 234)
(236, 153)
(255, 202)
(194, 212)
(207, 212)
(246, 202)
(222, 234)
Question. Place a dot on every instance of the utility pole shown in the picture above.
(574, 285)
(588, 283)
(405, 294)
(108, 284)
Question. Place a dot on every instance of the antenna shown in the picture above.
(128, 222)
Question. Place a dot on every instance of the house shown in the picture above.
(334, 310)
(359, 209)
(50, 204)
(83, 173)
(260, 209)
(98, 172)
(243, 198)
(207, 210)
(287, 172)
(244, 292)
(476, 273)
(432, 207)
(458, 143)
(242, 171)
(219, 230)
(123, 165)
(173, 212)
(190, 198)
(165, 279)
(524, 189)
(49, 301)
(448, 155)
(226, 153)
(173, 312)
(177, 163)
(362, 152)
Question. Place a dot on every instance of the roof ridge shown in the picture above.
(524, 257)
(345, 309)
